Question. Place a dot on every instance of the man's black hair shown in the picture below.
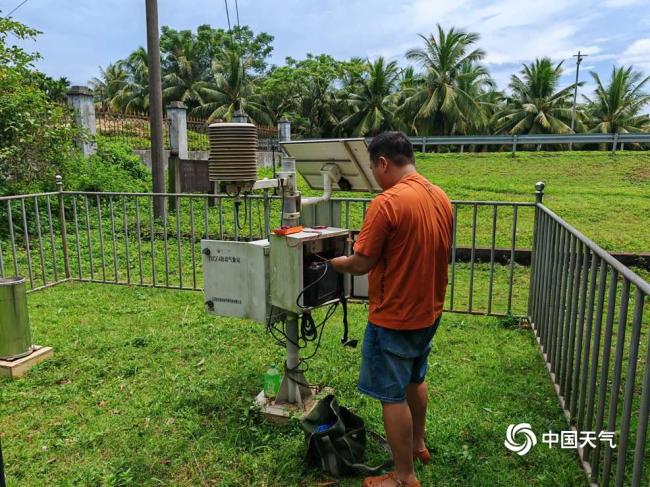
(395, 146)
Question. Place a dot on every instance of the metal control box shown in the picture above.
(291, 256)
(236, 278)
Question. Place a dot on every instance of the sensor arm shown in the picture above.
(331, 173)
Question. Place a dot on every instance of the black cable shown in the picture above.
(8, 17)
(237, 204)
(321, 326)
(308, 330)
(309, 286)
(344, 305)
(259, 220)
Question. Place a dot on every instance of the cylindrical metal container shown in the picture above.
(15, 337)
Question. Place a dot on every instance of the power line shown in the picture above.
(16, 8)
(237, 10)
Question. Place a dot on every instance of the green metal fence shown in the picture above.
(586, 309)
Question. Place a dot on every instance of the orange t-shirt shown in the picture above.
(408, 227)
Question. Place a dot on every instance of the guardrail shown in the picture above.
(617, 141)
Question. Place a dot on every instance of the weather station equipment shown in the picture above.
(279, 281)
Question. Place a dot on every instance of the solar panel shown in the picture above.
(351, 156)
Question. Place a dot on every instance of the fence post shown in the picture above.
(284, 130)
(81, 100)
(514, 145)
(615, 143)
(177, 116)
(539, 197)
(539, 191)
(267, 214)
(64, 230)
(424, 144)
(173, 178)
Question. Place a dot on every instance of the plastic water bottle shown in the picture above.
(272, 380)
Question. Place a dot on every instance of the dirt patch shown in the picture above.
(640, 174)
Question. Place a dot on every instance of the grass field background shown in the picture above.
(605, 196)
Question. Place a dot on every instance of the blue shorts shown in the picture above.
(393, 359)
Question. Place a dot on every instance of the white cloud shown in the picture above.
(512, 31)
(638, 54)
(623, 3)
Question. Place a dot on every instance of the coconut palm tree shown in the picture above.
(616, 108)
(439, 104)
(475, 81)
(536, 105)
(110, 81)
(372, 100)
(230, 90)
(183, 70)
(133, 96)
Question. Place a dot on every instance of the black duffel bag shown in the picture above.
(336, 440)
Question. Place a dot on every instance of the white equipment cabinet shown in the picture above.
(291, 256)
(236, 278)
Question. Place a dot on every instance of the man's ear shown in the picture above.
(383, 163)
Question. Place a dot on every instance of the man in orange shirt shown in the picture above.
(404, 244)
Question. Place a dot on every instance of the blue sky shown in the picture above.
(80, 35)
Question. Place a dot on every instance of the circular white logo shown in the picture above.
(529, 441)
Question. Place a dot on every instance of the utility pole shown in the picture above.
(579, 57)
(155, 106)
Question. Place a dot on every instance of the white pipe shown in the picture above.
(327, 192)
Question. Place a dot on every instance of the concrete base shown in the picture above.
(19, 367)
(280, 413)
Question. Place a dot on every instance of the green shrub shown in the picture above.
(113, 168)
(36, 136)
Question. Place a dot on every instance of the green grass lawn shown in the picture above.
(146, 389)
(605, 196)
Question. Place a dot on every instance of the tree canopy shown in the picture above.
(448, 90)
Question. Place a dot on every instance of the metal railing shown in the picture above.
(579, 305)
(130, 128)
(577, 296)
(114, 238)
(615, 141)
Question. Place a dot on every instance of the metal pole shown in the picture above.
(293, 393)
(2, 469)
(290, 390)
(155, 105)
(579, 57)
(289, 208)
(64, 230)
